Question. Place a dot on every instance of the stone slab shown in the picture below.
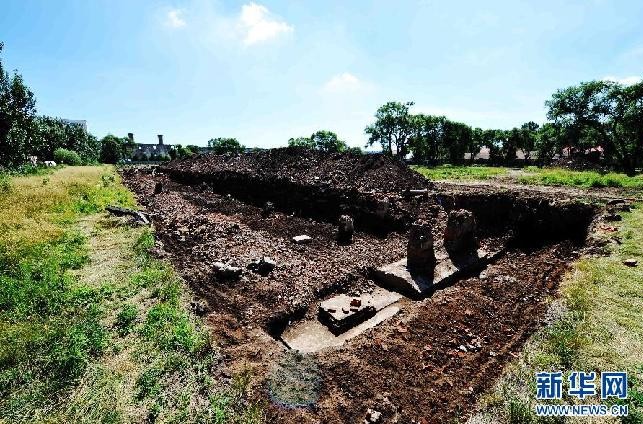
(313, 336)
(396, 276)
(342, 312)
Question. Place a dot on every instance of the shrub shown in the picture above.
(68, 157)
(5, 184)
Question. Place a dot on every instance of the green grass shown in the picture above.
(50, 325)
(599, 327)
(93, 329)
(533, 175)
(451, 172)
(565, 177)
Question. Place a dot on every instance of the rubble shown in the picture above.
(227, 272)
(263, 266)
(372, 416)
(619, 205)
(303, 239)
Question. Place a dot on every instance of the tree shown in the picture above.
(114, 149)
(302, 142)
(627, 126)
(477, 142)
(54, 133)
(604, 115)
(322, 140)
(179, 152)
(17, 113)
(392, 127)
(327, 141)
(510, 145)
(456, 140)
(425, 141)
(222, 146)
(528, 136)
(547, 140)
(584, 111)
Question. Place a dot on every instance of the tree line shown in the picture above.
(600, 121)
(597, 120)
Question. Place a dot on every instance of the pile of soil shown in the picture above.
(340, 171)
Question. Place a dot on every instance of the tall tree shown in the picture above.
(17, 113)
(426, 139)
(583, 111)
(392, 127)
(626, 126)
(113, 149)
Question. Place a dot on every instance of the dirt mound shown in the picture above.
(339, 171)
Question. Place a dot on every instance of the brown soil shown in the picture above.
(410, 367)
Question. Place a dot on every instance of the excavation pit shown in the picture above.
(524, 242)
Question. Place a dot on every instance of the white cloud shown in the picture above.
(631, 80)
(174, 18)
(259, 25)
(342, 83)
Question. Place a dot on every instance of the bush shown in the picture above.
(68, 157)
(5, 184)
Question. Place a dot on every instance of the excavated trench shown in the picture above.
(357, 307)
(503, 221)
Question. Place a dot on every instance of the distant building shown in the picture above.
(146, 151)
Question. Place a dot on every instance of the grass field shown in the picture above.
(565, 177)
(597, 326)
(451, 172)
(92, 329)
(533, 175)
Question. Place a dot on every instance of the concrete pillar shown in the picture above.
(160, 136)
(419, 250)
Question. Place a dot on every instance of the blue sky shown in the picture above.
(266, 71)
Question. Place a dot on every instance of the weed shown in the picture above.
(125, 319)
(170, 329)
(148, 384)
(520, 413)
